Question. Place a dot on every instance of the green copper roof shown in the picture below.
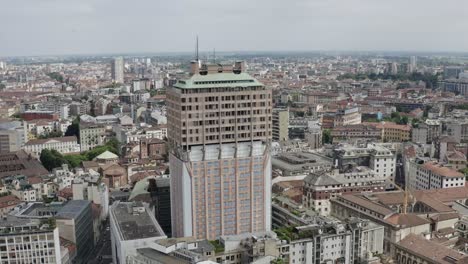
(215, 80)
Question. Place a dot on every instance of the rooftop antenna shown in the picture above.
(214, 55)
(196, 50)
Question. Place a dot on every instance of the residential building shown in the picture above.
(63, 145)
(320, 187)
(219, 123)
(352, 133)
(91, 136)
(280, 124)
(425, 175)
(392, 132)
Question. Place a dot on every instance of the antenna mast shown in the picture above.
(196, 50)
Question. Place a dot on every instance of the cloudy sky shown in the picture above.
(50, 27)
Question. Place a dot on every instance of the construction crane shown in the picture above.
(406, 194)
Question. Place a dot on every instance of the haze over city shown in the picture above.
(232, 132)
(55, 27)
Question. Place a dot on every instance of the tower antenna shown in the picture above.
(214, 55)
(196, 50)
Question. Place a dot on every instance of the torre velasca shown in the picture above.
(219, 127)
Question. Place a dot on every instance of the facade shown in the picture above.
(280, 124)
(392, 132)
(91, 136)
(132, 227)
(118, 70)
(314, 138)
(75, 223)
(63, 145)
(431, 175)
(419, 134)
(348, 116)
(355, 132)
(28, 241)
(219, 125)
(320, 187)
(360, 241)
(12, 136)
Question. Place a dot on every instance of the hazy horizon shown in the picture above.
(91, 27)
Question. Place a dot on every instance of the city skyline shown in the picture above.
(96, 27)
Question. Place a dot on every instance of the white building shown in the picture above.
(331, 242)
(88, 186)
(118, 70)
(91, 136)
(63, 145)
(133, 226)
(432, 175)
(28, 241)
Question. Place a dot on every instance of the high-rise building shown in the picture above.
(280, 124)
(118, 70)
(219, 127)
(413, 64)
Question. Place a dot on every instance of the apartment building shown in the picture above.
(425, 175)
(280, 124)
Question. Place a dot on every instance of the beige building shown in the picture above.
(91, 136)
(219, 126)
(280, 124)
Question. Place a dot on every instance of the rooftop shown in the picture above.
(135, 221)
(442, 171)
(218, 80)
(429, 250)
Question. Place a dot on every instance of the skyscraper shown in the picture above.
(118, 70)
(219, 127)
(412, 64)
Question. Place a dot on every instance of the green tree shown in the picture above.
(75, 160)
(51, 159)
(326, 136)
(74, 129)
(51, 135)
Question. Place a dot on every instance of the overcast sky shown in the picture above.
(50, 27)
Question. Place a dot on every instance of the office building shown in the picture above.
(280, 124)
(118, 70)
(133, 227)
(219, 125)
(29, 241)
(75, 222)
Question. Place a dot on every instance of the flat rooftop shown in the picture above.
(135, 221)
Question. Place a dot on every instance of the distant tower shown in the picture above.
(412, 64)
(118, 70)
(393, 68)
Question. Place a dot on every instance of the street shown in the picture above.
(102, 253)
